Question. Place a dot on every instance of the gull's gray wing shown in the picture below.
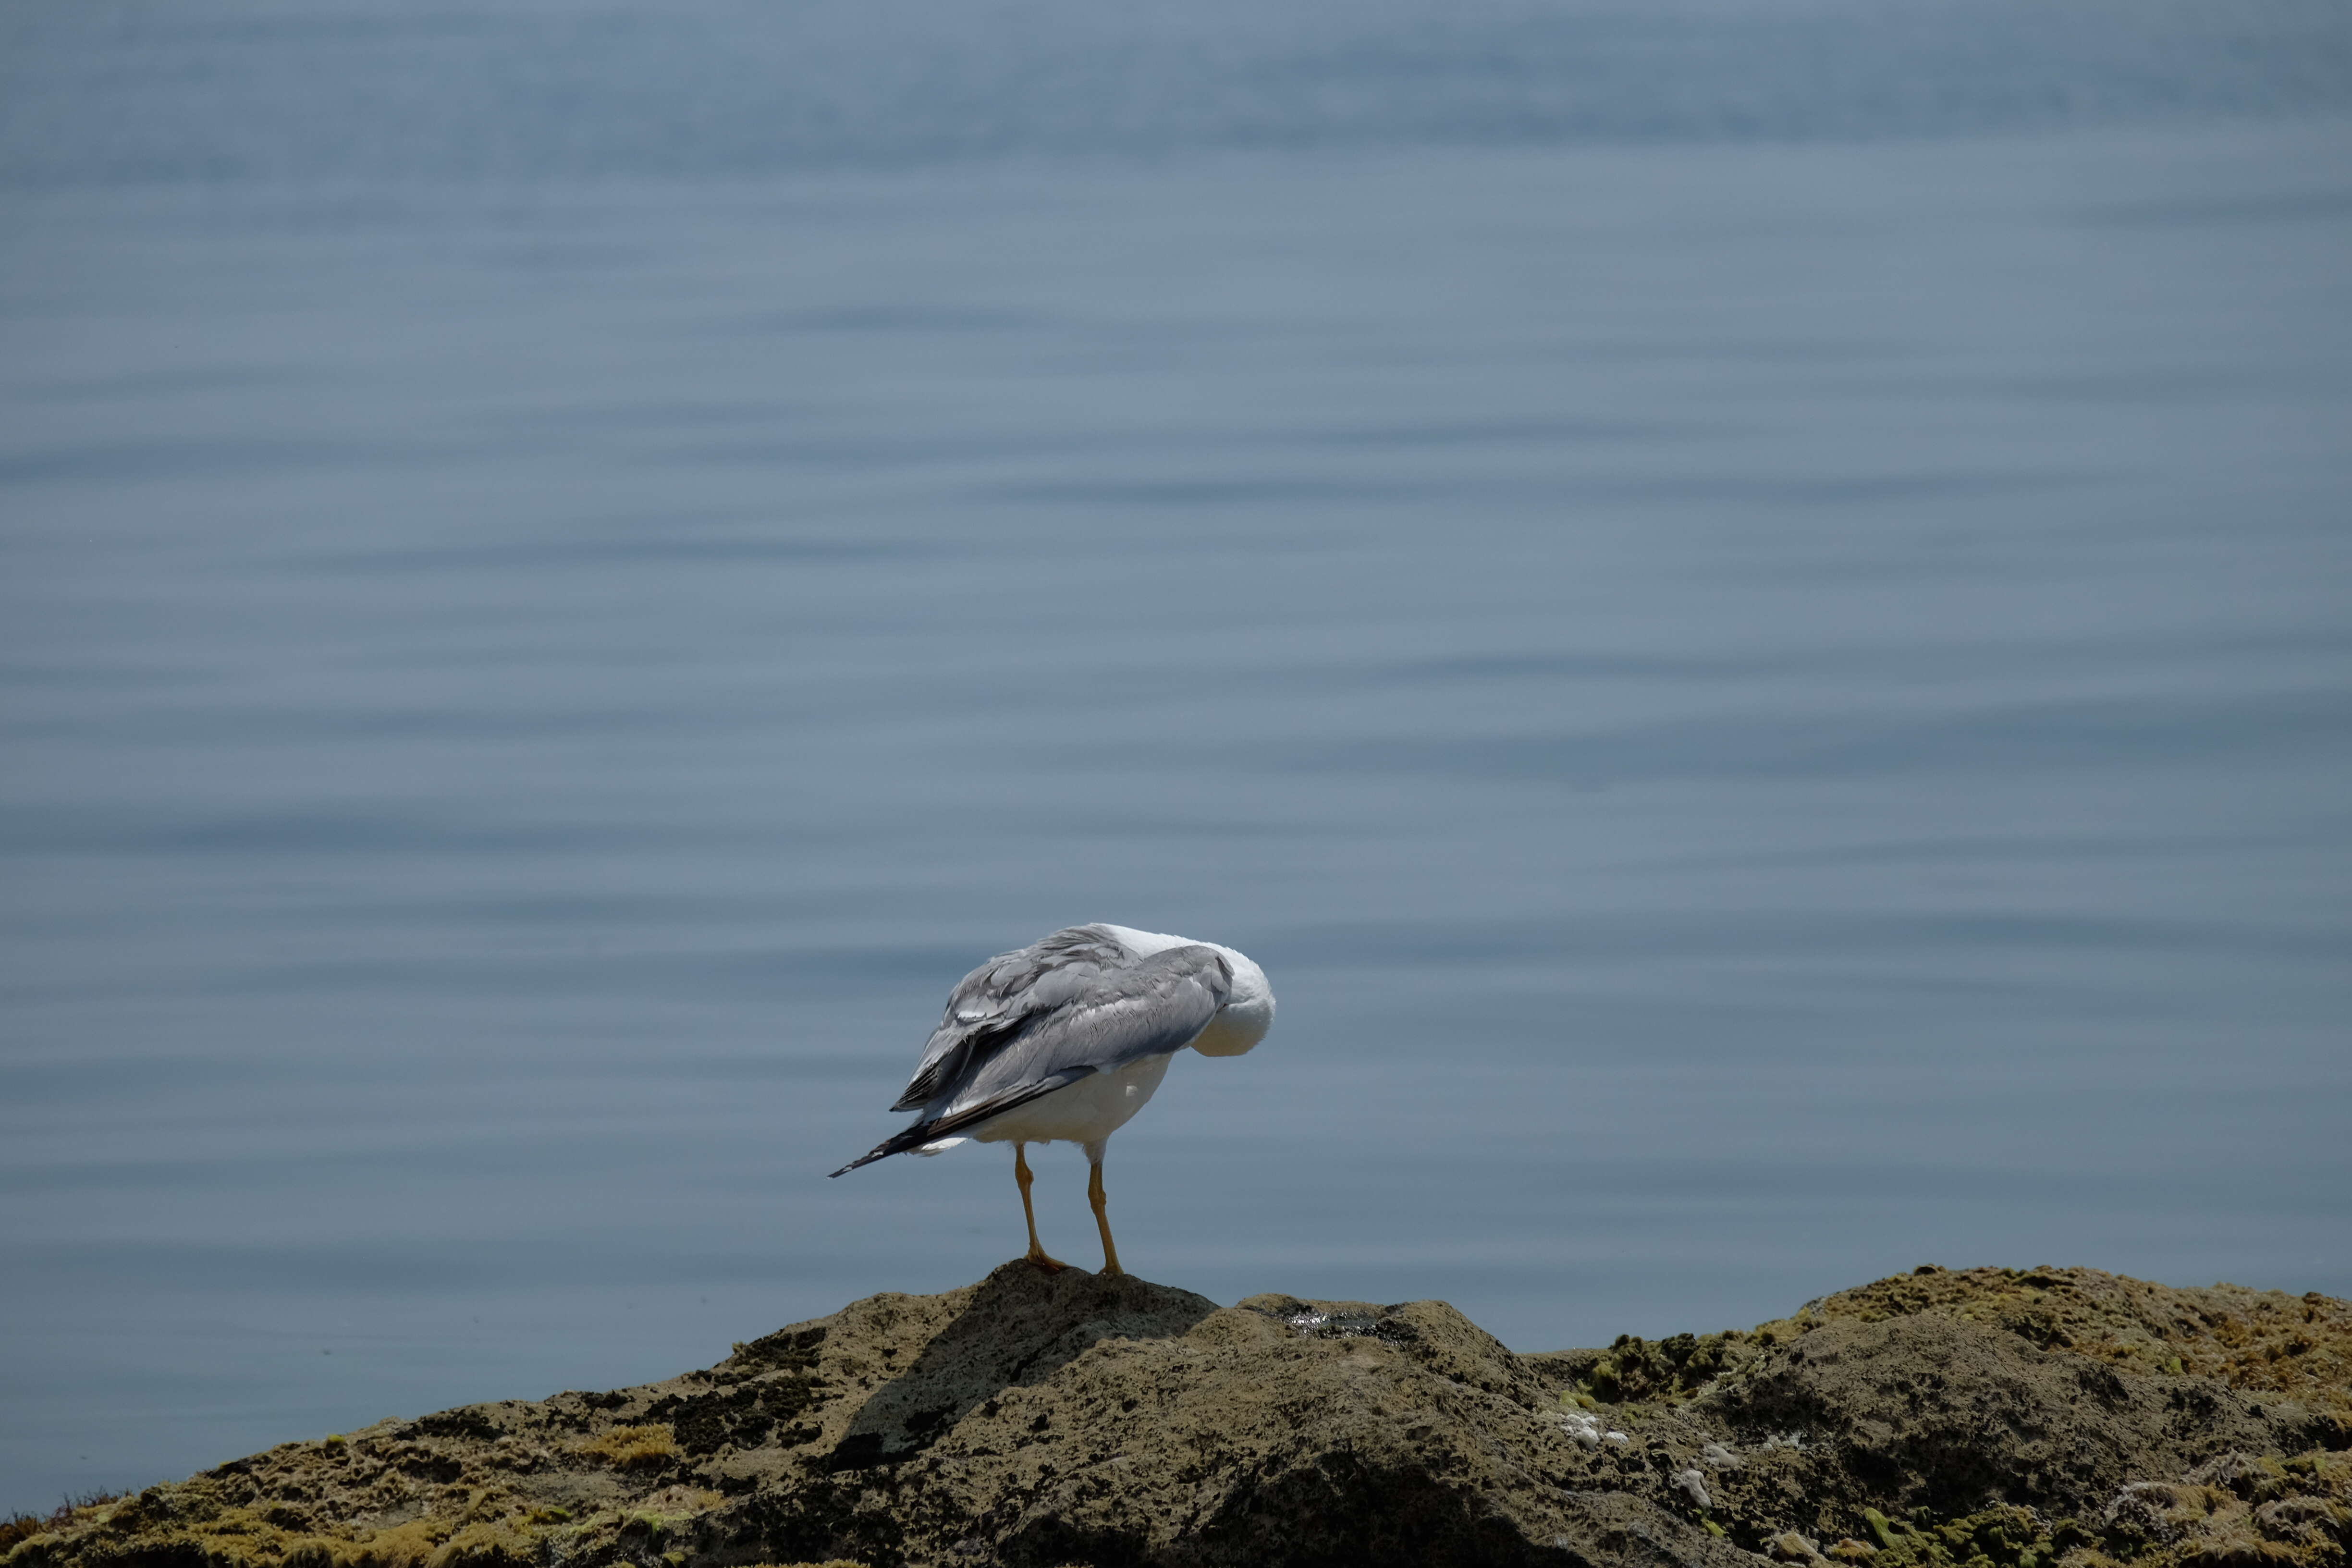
(1148, 1008)
(1003, 997)
(1043, 1019)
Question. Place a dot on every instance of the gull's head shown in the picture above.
(1248, 1012)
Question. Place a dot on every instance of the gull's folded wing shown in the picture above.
(996, 1002)
(1057, 1017)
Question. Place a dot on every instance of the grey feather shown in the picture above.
(1000, 999)
(1025, 1024)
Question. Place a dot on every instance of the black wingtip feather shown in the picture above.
(923, 1132)
(879, 1151)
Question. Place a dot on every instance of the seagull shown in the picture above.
(1065, 1039)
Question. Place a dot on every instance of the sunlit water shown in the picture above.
(1747, 612)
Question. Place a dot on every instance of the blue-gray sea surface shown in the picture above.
(1746, 605)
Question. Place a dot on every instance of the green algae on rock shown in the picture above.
(1983, 1419)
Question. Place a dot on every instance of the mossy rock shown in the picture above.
(1984, 1418)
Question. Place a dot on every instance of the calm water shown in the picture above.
(1746, 606)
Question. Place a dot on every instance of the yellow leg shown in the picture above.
(1021, 1174)
(1102, 1221)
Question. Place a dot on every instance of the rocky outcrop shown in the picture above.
(2045, 1419)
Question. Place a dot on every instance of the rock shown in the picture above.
(1935, 1414)
(1038, 1420)
(2144, 1509)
